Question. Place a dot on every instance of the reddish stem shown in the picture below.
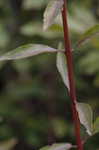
(72, 92)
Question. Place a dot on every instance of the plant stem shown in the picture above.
(72, 92)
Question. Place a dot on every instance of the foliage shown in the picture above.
(30, 107)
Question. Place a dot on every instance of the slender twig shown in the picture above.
(72, 92)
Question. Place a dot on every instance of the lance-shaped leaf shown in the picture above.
(62, 68)
(85, 116)
(88, 35)
(53, 9)
(62, 146)
(96, 125)
(27, 51)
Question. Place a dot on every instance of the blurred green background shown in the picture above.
(34, 104)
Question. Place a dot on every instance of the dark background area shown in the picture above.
(34, 104)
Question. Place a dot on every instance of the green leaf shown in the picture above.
(62, 68)
(85, 116)
(62, 146)
(88, 34)
(31, 29)
(27, 51)
(33, 4)
(4, 36)
(8, 145)
(53, 9)
(96, 125)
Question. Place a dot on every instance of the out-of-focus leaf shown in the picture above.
(85, 116)
(27, 51)
(30, 4)
(80, 12)
(61, 146)
(35, 28)
(62, 68)
(88, 34)
(4, 37)
(53, 9)
(88, 63)
(96, 125)
(8, 145)
(59, 127)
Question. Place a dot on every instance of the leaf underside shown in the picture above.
(85, 116)
(62, 68)
(62, 146)
(27, 51)
(51, 12)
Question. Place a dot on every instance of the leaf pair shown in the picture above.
(35, 49)
(27, 51)
(53, 9)
(84, 110)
